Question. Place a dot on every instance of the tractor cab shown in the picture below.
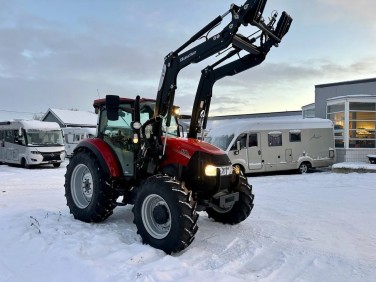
(120, 124)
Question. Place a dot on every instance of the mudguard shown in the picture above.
(104, 155)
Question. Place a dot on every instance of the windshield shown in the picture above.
(222, 141)
(172, 130)
(147, 111)
(44, 138)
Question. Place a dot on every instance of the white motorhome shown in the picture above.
(73, 135)
(31, 142)
(275, 144)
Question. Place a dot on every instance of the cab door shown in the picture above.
(254, 151)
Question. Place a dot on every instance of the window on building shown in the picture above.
(336, 113)
(309, 113)
(275, 139)
(362, 125)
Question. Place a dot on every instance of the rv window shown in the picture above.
(295, 136)
(275, 139)
(9, 136)
(252, 140)
(243, 141)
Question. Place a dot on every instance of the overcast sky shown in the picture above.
(65, 54)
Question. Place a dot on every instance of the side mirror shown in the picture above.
(112, 107)
(238, 148)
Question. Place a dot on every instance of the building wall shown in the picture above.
(339, 90)
(331, 90)
(50, 117)
(353, 155)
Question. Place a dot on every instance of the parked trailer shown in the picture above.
(276, 144)
(73, 135)
(31, 142)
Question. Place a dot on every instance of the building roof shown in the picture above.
(73, 118)
(346, 82)
(258, 115)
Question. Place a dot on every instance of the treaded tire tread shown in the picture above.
(103, 199)
(240, 210)
(182, 208)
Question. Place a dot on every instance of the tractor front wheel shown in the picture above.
(165, 214)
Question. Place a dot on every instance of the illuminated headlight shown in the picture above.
(210, 170)
(34, 152)
(135, 138)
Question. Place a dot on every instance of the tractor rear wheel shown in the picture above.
(240, 210)
(165, 214)
(89, 196)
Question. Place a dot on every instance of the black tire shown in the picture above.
(165, 214)
(240, 210)
(56, 165)
(304, 167)
(24, 163)
(89, 196)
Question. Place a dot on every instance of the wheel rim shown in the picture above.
(156, 216)
(303, 168)
(82, 186)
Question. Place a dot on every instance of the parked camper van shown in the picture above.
(31, 142)
(73, 135)
(275, 144)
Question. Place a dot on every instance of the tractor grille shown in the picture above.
(207, 186)
(55, 156)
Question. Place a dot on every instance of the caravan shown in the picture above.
(31, 142)
(275, 144)
(73, 135)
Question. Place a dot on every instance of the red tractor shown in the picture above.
(140, 158)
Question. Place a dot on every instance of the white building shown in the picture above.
(70, 118)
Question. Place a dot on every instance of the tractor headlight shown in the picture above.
(135, 138)
(35, 152)
(210, 170)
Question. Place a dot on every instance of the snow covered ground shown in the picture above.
(315, 227)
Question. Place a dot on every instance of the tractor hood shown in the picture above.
(180, 150)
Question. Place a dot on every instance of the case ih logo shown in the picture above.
(185, 153)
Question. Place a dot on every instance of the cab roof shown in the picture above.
(101, 102)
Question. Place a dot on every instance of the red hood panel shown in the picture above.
(180, 150)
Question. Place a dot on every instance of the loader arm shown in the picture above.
(210, 75)
(249, 13)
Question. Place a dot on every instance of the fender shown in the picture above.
(103, 153)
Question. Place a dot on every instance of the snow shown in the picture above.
(75, 117)
(314, 227)
(33, 124)
(355, 166)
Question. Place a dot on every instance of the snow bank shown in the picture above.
(354, 167)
